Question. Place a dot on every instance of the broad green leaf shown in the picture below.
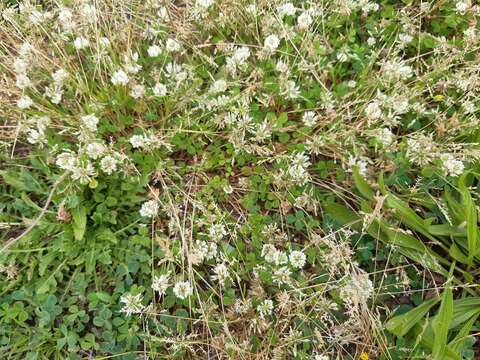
(441, 324)
(457, 343)
(79, 223)
(401, 324)
(471, 218)
(362, 185)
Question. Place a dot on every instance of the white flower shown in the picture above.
(265, 308)
(205, 3)
(24, 102)
(218, 86)
(59, 76)
(83, 172)
(132, 304)
(90, 122)
(20, 66)
(452, 166)
(342, 55)
(182, 290)
(404, 39)
(304, 20)
(271, 42)
(149, 209)
(35, 136)
(217, 232)
(373, 110)
(66, 161)
(286, 9)
(281, 67)
(360, 164)
(54, 93)
(81, 43)
(297, 259)
(371, 41)
(154, 51)
(358, 290)
(23, 81)
(160, 283)
(221, 273)
(385, 137)
(138, 141)
(119, 78)
(461, 7)
(138, 91)
(172, 45)
(108, 164)
(95, 150)
(159, 89)
(282, 275)
(104, 42)
(291, 90)
(89, 12)
(309, 118)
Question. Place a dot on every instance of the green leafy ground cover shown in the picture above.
(218, 179)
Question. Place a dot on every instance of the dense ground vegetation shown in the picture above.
(230, 179)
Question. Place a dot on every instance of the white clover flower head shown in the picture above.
(132, 304)
(95, 150)
(386, 137)
(171, 45)
(281, 275)
(218, 86)
(81, 43)
(182, 290)
(66, 161)
(373, 110)
(358, 290)
(89, 12)
(24, 102)
(161, 283)
(204, 3)
(304, 20)
(371, 41)
(286, 9)
(108, 164)
(217, 231)
(271, 42)
(451, 166)
(140, 141)
(359, 163)
(154, 50)
(137, 91)
(351, 84)
(60, 76)
(90, 122)
(309, 118)
(461, 7)
(149, 209)
(36, 136)
(297, 259)
(265, 308)
(83, 172)
(119, 77)
(159, 89)
(23, 81)
(281, 67)
(20, 66)
(104, 42)
(220, 273)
